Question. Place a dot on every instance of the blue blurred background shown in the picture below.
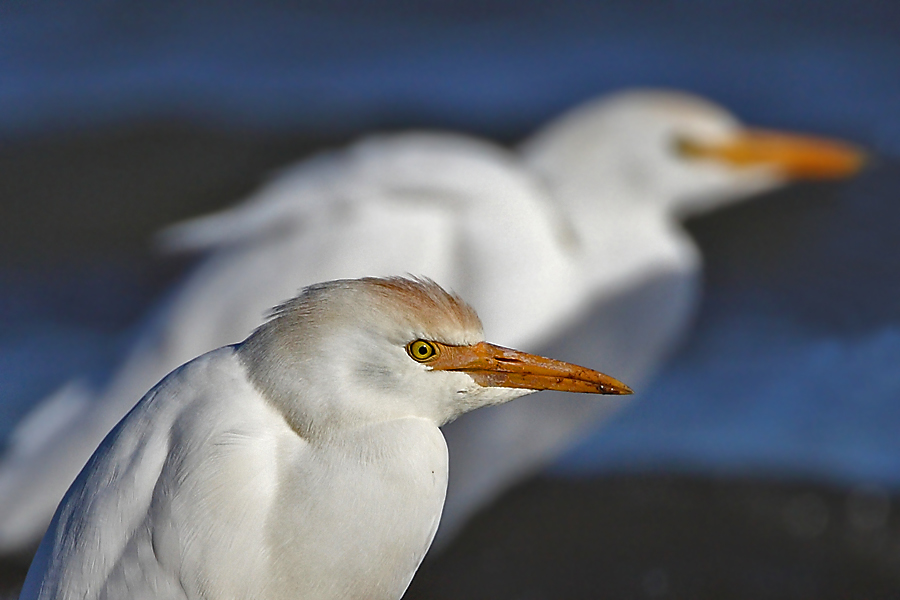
(117, 118)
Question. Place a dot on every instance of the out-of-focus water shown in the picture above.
(498, 66)
(757, 396)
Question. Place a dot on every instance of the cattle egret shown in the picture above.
(624, 171)
(305, 462)
(571, 246)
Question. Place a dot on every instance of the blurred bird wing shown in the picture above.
(29, 495)
(451, 208)
(345, 242)
(284, 200)
(420, 167)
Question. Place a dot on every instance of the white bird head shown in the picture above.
(368, 350)
(677, 149)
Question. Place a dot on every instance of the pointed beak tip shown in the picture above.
(855, 160)
(617, 389)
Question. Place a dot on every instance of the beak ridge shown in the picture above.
(795, 156)
(495, 366)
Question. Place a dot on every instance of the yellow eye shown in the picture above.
(688, 148)
(422, 351)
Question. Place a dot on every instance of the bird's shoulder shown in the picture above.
(194, 435)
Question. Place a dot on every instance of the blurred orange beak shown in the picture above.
(794, 156)
(494, 366)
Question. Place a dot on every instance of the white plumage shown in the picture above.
(571, 246)
(305, 462)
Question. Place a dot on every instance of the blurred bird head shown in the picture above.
(676, 149)
(368, 350)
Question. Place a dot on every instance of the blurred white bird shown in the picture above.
(623, 171)
(305, 462)
(573, 246)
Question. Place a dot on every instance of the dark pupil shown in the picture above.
(423, 350)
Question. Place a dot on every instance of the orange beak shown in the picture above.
(494, 366)
(795, 156)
